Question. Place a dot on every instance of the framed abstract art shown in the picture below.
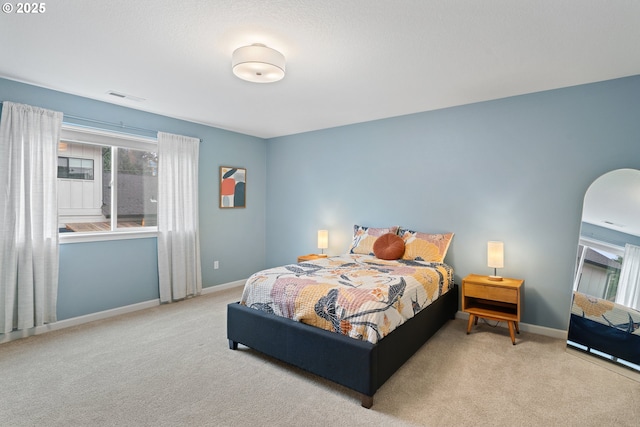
(233, 187)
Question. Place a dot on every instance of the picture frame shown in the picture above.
(233, 187)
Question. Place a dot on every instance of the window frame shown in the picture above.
(84, 135)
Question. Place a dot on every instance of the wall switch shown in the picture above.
(216, 265)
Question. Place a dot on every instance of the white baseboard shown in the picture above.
(75, 321)
(526, 327)
(223, 287)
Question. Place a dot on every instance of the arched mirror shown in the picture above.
(605, 310)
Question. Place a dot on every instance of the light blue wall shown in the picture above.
(99, 276)
(103, 275)
(514, 169)
(607, 235)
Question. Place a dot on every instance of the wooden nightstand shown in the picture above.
(303, 258)
(491, 299)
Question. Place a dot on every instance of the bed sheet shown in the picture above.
(360, 296)
(606, 312)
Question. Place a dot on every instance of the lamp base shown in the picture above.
(495, 278)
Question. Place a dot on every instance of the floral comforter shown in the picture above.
(606, 312)
(360, 296)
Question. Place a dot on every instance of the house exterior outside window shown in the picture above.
(107, 182)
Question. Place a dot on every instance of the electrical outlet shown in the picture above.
(216, 265)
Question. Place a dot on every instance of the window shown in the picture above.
(72, 168)
(107, 182)
(598, 269)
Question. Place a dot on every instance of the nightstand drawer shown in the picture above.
(491, 293)
(310, 257)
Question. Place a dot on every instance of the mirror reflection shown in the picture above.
(605, 316)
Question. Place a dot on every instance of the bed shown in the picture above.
(354, 319)
(605, 326)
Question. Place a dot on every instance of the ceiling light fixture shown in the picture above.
(258, 63)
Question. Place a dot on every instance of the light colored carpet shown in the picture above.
(171, 366)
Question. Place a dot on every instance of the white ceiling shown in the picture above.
(613, 201)
(348, 61)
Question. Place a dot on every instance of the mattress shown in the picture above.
(359, 296)
(606, 312)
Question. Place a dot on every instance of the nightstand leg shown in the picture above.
(471, 317)
(517, 327)
(513, 336)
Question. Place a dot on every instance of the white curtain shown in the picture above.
(29, 139)
(178, 238)
(628, 293)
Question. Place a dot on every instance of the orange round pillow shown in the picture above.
(388, 246)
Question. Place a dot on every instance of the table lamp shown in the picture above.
(323, 240)
(495, 258)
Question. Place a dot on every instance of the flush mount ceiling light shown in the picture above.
(258, 63)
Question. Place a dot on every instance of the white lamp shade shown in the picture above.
(495, 254)
(323, 239)
(258, 63)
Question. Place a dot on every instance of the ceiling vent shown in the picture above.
(125, 96)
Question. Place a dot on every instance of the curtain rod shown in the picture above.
(119, 125)
(102, 122)
(105, 123)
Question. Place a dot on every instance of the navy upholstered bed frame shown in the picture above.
(355, 364)
(606, 339)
